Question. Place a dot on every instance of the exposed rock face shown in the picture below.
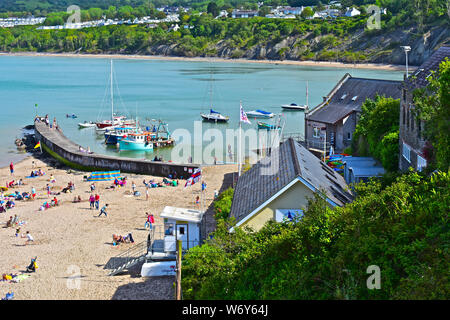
(381, 48)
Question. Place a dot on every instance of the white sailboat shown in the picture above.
(213, 116)
(294, 106)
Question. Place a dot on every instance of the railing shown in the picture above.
(318, 144)
(297, 136)
(127, 258)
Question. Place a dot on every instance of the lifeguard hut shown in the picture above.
(159, 251)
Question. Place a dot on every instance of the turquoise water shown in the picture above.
(175, 91)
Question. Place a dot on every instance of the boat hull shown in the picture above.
(125, 144)
(301, 108)
(213, 119)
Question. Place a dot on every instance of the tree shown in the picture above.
(307, 13)
(213, 9)
(433, 107)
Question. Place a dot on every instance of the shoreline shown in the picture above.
(308, 63)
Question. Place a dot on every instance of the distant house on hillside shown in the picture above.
(352, 12)
(291, 10)
(262, 194)
(336, 117)
(244, 14)
(411, 139)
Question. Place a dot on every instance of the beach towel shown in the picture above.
(104, 176)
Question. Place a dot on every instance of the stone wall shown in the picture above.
(60, 145)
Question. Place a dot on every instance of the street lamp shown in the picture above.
(406, 49)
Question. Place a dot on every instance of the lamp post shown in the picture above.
(406, 49)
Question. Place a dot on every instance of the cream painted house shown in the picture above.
(282, 192)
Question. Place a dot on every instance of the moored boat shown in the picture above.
(266, 126)
(112, 136)
(260, 114)
(293, 106)
(86, 124)
(137, 142)
(214, 116)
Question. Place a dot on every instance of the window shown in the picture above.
(404, 115)
(349, 136)
(181, 230)
(404, 94)
(354, 98)
(406, 152)
(421, 163)
(169, 229)
(316, 132)
(343, 96)
(287, 214)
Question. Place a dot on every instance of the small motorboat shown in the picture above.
(112, 136)
(259, 114)
(73, 116)
(86, 124)
(294, 106)
(214, 116)
(266, 126)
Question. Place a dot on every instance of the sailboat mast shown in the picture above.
(112, 95)
(210, 90)
(306, 93)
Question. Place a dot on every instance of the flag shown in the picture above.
(196, 176)
(244, 117)
(38, 145)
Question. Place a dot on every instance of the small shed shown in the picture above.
(350, 161)
(181, 224)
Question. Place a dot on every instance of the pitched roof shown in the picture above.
(419, 77)
(259, 184)
(349, 95)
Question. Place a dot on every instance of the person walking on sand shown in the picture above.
(103, 210)
(133, 186)
(146, 193)
(91, 201)
(33, 193)
(11, 168)
(197, 201)
(97, 201)
(48, 191)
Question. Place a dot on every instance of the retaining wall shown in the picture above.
(60, 147)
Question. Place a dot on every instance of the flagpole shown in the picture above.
(239, 144)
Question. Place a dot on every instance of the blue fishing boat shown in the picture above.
(137, 142)
(113, 136)
(266, 126)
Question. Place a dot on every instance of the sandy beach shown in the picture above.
(213, 59)
(71, 237)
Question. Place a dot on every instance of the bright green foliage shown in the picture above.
(222, 205)
(403, 229)
(377, 131)
(433, 106)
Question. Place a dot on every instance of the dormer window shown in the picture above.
(343, 96)
(354, 98)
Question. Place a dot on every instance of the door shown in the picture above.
(182, 235)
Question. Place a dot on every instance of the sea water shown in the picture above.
(173, 91)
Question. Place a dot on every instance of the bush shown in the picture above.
(222, 206)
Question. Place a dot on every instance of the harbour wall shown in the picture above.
(66, 151)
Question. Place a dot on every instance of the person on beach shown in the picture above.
(103, 210)
(33, 165)
(197, 201)
(133, 186)
(92, 187)
(29, 238)
(52, 179)
(97, 201)
(17, 232)
(92, 201)
(11, 168)
(48, 190)
(149, 222)
(146, 193)
(33, 193)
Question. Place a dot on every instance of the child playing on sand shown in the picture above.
(52, 179)
(33, 192)
(48, 190)
(29, 238)
(103, 210)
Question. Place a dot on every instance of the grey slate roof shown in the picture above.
(254, 188)
(339, 102)
(419, 78)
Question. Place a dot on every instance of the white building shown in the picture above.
(352, 12)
